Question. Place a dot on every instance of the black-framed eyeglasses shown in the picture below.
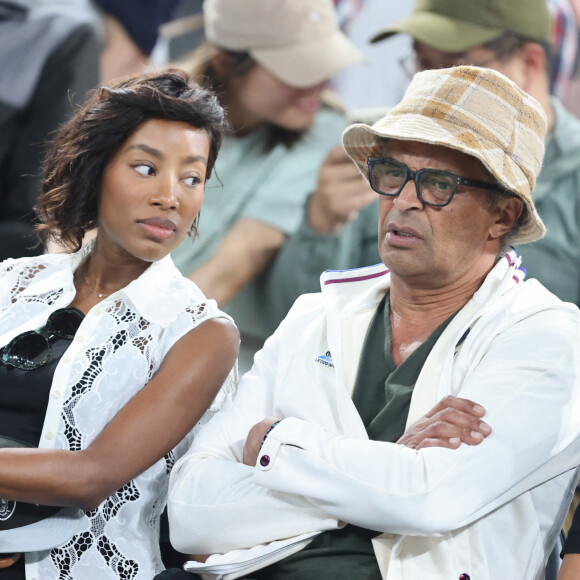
(434, 187)
(33, 348)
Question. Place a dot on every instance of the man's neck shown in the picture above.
(416, 313)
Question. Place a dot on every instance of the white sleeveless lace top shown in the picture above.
(117, 349)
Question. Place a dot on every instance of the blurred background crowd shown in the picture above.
(285, 201)
(52, 52)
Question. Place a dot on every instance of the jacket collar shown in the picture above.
(357, 289)
(350, 291)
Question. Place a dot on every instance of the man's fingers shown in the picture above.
(452, 443)
(470, 432)
(465, 405)
(452, 421)
(462, 419)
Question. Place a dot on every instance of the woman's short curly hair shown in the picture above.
(68, 205)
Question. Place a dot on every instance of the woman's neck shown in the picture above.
(102, 274)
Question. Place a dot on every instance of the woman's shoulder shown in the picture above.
(21, 273)
(164, 296)
(32, 263)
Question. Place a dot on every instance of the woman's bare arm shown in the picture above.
(570, 569)
(142, 432)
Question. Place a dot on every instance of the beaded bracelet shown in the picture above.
(267, 432)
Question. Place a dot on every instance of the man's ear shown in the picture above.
(532, 57)
(507, 212)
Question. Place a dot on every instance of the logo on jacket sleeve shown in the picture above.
(325, 359)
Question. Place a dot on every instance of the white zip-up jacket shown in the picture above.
(491, 511)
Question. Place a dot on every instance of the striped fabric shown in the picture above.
(565, 45)
(474, 110)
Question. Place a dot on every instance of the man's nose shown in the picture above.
(408, 198)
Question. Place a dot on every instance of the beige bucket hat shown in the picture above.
(474, 110)
(298, 41)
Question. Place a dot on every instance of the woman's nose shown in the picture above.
(165, 195)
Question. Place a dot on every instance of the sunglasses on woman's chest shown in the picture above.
(33, 348)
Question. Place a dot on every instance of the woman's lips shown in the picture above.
(158, 228)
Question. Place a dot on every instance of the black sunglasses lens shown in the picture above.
(64, 322)
(27, 351)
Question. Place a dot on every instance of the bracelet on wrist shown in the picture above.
(268, 431)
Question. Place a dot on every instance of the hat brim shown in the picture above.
(310, 63)
(361, 142)
(44, 534)
(441, 32)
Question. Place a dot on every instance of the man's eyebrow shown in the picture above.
(159, 154)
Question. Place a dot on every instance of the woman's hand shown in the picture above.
(255, 438)
(6, 560)
(452, 421)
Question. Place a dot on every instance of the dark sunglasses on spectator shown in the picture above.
(33, 348)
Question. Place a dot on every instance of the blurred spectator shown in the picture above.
(566, 46)
(185, 32)
(270, 63)
(48, 60)
(131, 29)
(564, 43)
(379, 81)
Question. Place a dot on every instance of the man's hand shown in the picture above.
(340, 195)
(255, 438)
(451, 422)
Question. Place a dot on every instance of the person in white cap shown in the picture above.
(300, 476)
(269, 62)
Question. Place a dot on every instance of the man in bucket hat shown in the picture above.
(301, 476)
(512, 37)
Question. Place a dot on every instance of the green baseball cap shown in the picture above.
(458, 25)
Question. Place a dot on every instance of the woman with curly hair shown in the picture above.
(110, 357)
